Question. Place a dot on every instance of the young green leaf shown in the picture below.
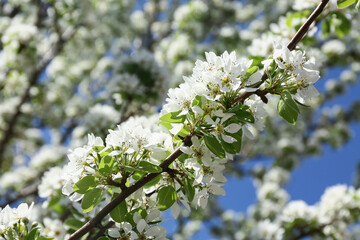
(182, 133)
(250, 72)
(166, 197)
(173, 117)
(342, 25)
(153, 182)
(326, 27)
(118, 214)
(105, 166)
(73, 223)
(197, 101)
(344, 3)
(34, 234)
(214, 146)
(244, 116)
(235, 147)
(85, 184)
(149, 167)
(287, 107)
(91, 199)
(256, 61)
(189, 189)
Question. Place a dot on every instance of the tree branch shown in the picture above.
(187, 142)
(292, 44)
(127, 192)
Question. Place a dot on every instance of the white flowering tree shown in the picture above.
(94, 144)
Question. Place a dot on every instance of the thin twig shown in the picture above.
(292, 44)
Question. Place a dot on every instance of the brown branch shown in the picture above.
(292, 44)
(187, 142)
(102, 231)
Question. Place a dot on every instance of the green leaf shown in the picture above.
(166, 124)
(118, 214)
(34, 234)
(166, 197)
(105, 166)
(197, 101)
(257, 61)
(244, 116)
(106, 152)
(326, 27)
(53, 200)
(189, 189)
(149, 167)
(182, 133)
(287, 107)
(173, 117)
(85, 184)
(344, 3)
(138, 175)
(153, 182)
(234, 109)
(91, 199)
(357, 6)
(128, 168)
(183, 157)
(74, 223)
(342, 25)
(98, 148)
(235, 147)
(290, 16)
(104, 238)
(214, 145)
(250, 72)
(59, 209)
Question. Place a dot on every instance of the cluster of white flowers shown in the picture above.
(10, 216)
(137, 77)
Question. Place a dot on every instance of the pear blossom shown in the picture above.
(220, 129)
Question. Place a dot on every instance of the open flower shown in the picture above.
(220, 130)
